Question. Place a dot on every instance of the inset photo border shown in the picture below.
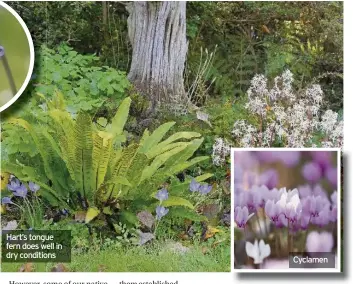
(286, 210)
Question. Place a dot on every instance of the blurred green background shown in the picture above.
(13, 38)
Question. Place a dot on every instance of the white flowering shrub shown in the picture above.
(220, 151)
(286, 117)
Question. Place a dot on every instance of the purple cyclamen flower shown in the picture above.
(274, 211)
(238, 174)
(194, 186)
(331, 175)
(241, 216)
(269, 178)
(323, 218)
(205, 188)
(319, 242)
(267, 156)
(313, 205)
(20, 191)
(311, 172)
(305, 191)
(322, 158)
(33, 187)
(264, 194)
(162, 194)
(304, 221)
(289, 158)
(161, 212)
(6, 200)
(319, 191)
(249, 198)
(247, 160)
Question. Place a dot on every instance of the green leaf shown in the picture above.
(92, 213)
(158, 162)
(185, 213)
(155, 137)
(129, 217)
(120, 117)
(107, 210)
(177, 201)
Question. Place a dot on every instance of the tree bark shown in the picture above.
(157, 32)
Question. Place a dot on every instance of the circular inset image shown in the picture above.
(16, 56)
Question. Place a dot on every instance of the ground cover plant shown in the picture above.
(142, 144)
(285, 202)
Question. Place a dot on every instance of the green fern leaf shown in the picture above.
(155, 137)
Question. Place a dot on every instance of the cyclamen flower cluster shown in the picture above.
(286, 116)
(285, 208)
(298, 207)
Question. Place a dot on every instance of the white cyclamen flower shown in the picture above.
(258, 251)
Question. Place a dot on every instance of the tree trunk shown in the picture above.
(157, 32)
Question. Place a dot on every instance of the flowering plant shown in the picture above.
(25, 198)
(288, 219)
(281, 116)
(287, 117)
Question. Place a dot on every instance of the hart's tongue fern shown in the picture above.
(7, 70)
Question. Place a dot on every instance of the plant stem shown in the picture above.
(288, 243)
(258, 222)
(9, 74)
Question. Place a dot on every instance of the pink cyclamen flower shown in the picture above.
(241, 216)
(322, 158)
(269, 178)
(289, 158)
(274, 211)
(267, 156)
(250, 199)
(331, 175)
(311, 172)
(319, 242)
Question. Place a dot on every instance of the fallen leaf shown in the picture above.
(60, 267)
(80, 216)
(146, 218)
(211, 231)
(145, 237)
(27, 267)
(217, 243)
(265, 29)
(102, 268)
(184, 236)
(204, 250)
(210, 210)
(204, 117)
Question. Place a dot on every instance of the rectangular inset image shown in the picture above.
(286, 210)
